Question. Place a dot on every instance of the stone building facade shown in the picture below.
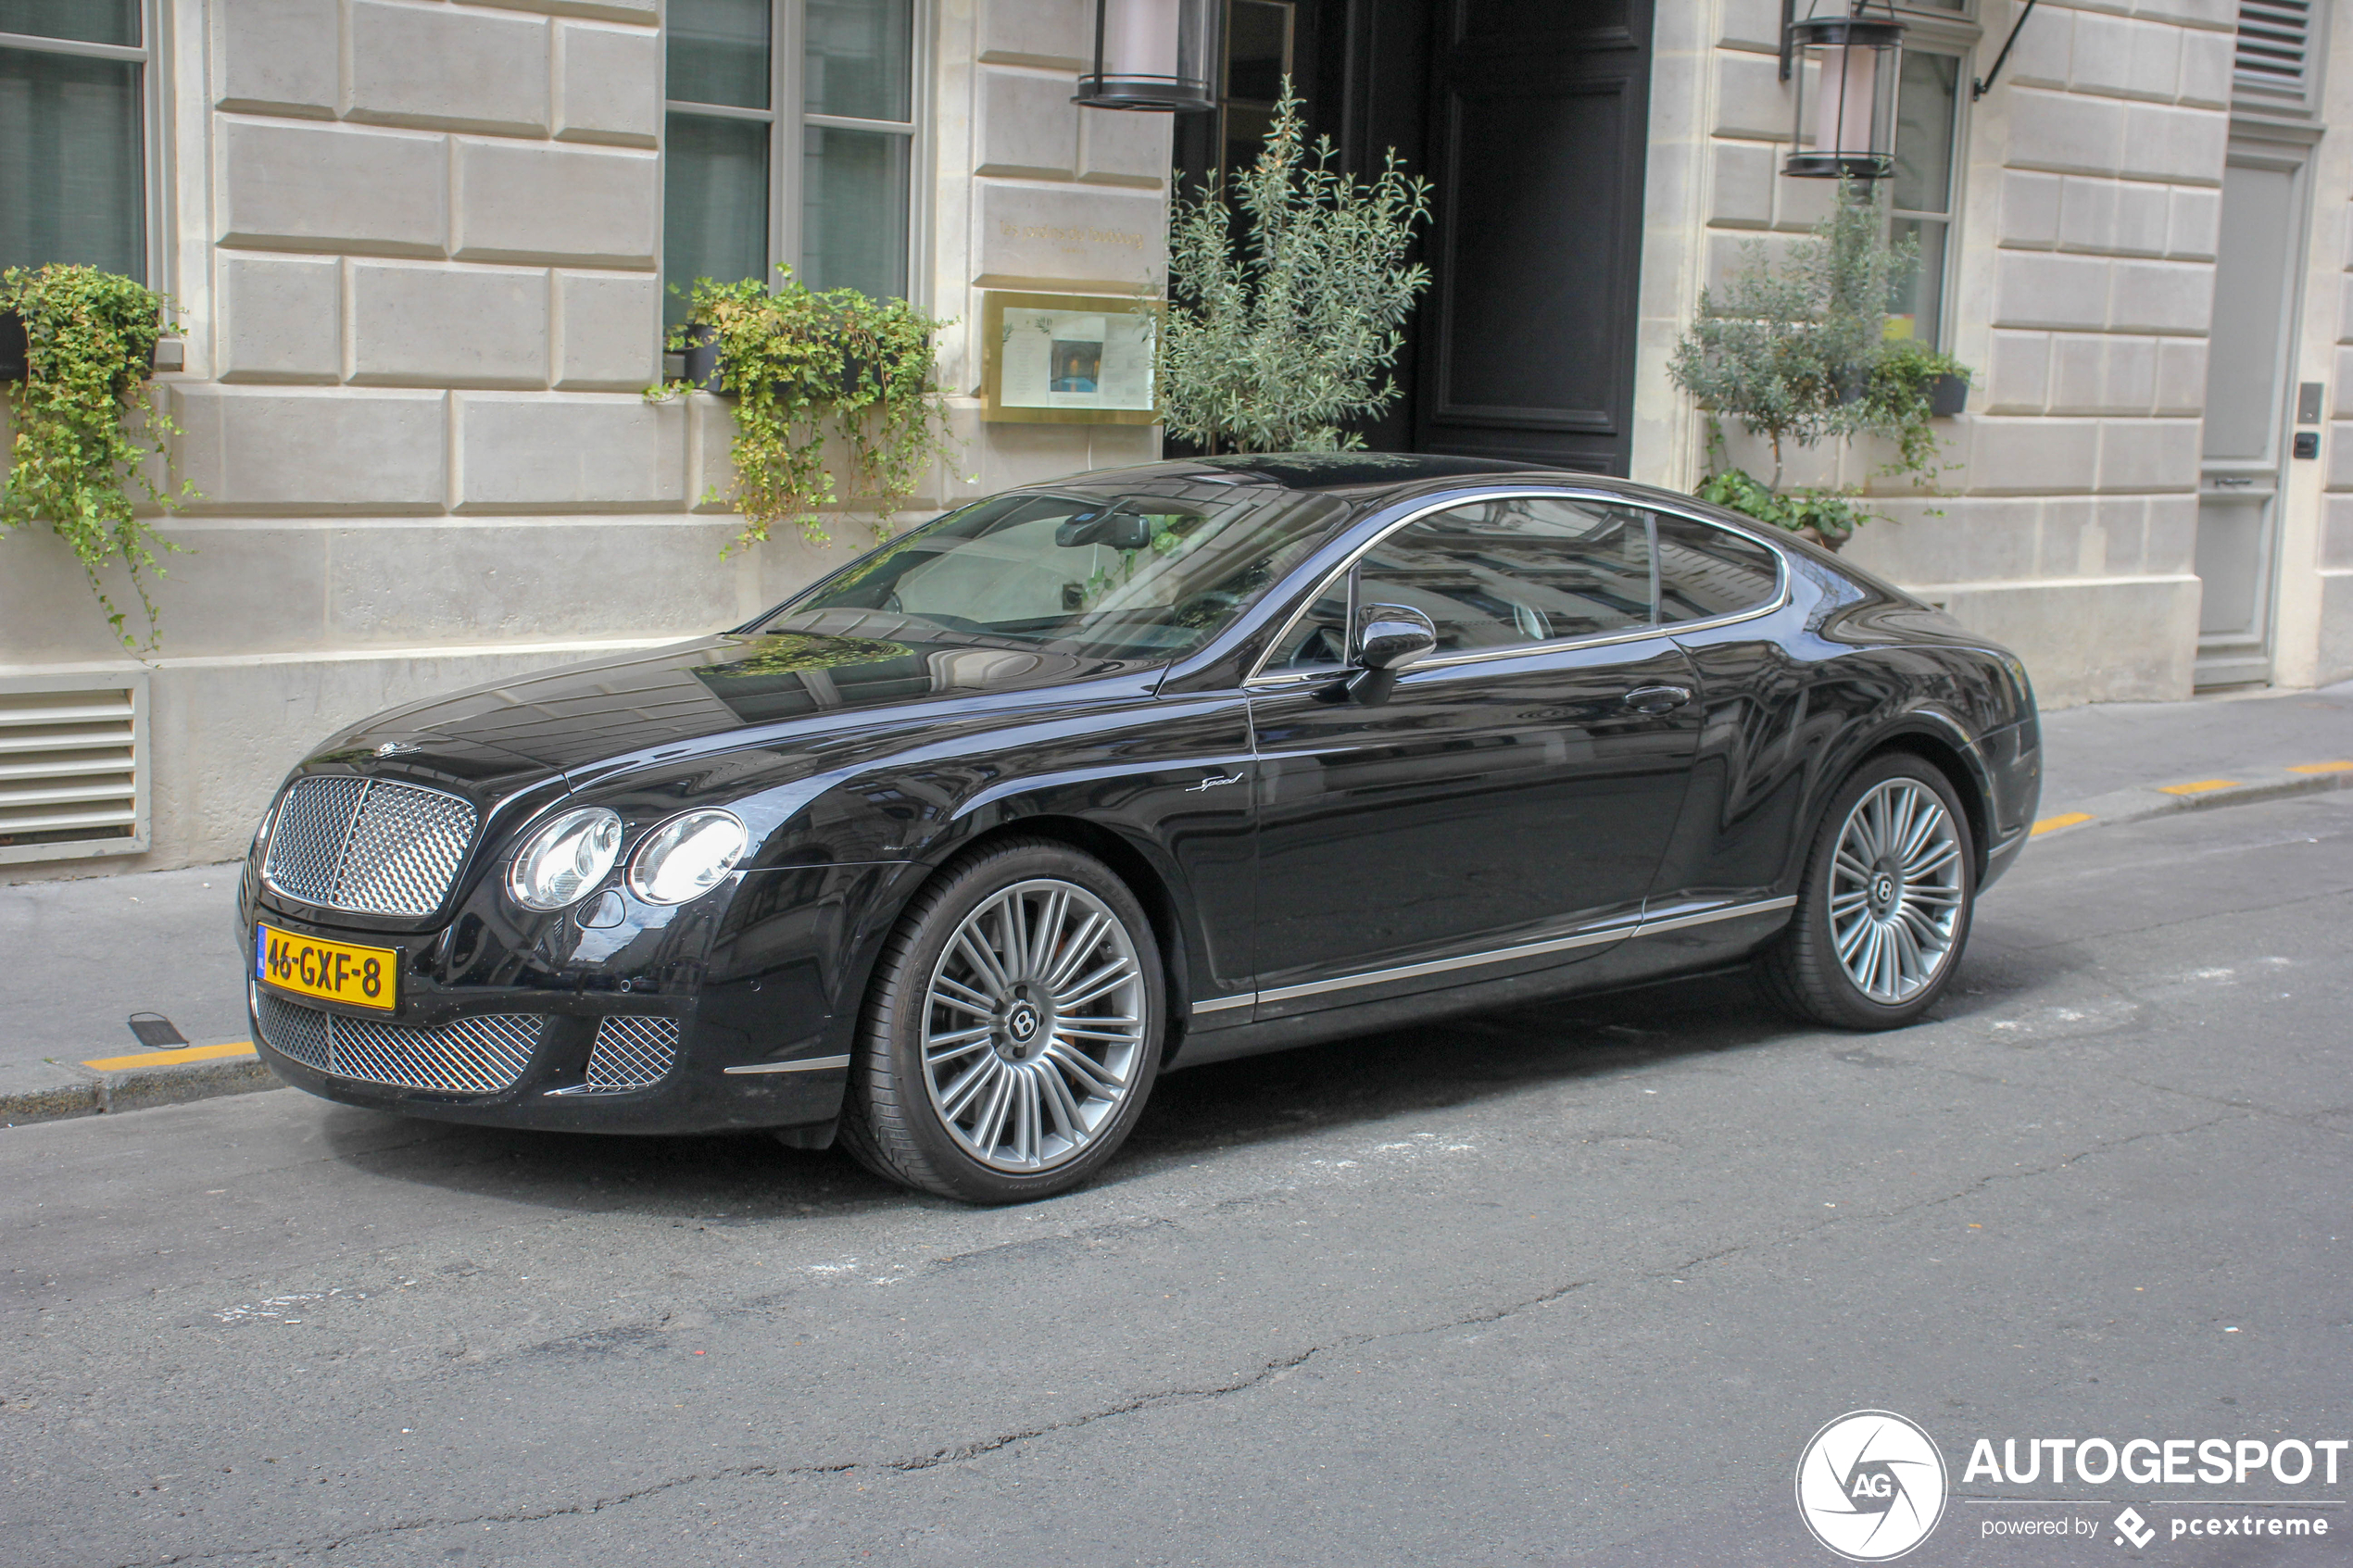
(418, 248)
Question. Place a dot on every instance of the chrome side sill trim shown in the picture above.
(806, 1065)
(1440, 966)
(1219, 1004)
(1708, 917)
(1624, 932)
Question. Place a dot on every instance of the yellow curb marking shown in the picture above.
(2064, 819)
(2322, 767)
(2198, 787)
(166, 1059)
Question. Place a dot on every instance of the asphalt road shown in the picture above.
(1573, 1284)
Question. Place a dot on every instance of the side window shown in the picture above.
(1318, 639)
(1525, 569)
(1705, 571)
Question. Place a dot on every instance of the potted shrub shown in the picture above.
(85, 421)
(1279, 337)
(1797, 352)
(799, 365)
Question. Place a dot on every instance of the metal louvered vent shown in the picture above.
(475, 1056)
(630, 1053)
(73, 771)
(2274, 49)
(369, 845)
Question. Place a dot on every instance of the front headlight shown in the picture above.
(687, 856)
(564, 860)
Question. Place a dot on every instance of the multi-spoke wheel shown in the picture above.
(1012, 1029)
(1885, 908)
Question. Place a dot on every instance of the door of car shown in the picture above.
(1506, 801)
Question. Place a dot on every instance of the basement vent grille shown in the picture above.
(74, 768)
(2274, 50)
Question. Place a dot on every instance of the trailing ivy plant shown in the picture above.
(1281, 335)
(801, 366)
(86, 422)
(1796, 351)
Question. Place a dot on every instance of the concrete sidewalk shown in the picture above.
(82, 956)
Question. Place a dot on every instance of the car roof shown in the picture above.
(1363, 475)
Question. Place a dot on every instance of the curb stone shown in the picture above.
(55, 1091)
(2139, 804)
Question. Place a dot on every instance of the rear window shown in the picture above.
(1705, 572)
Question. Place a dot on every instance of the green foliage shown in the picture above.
(1825, 515)
(803, 366)
(1278, 338)
(86, 422)
(1797, 352)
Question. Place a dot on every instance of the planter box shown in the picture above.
(170, 354)
(1947, 395)
(702, 364)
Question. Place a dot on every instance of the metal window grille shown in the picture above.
(2274, 50)
(73, 768)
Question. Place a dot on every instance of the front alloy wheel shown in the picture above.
(1885, 908)
(1033, 1025)
(1012, 1029)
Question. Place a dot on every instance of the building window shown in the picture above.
(73, 150)
(1927, 122)
(813, 166)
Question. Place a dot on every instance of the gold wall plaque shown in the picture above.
(1066, 358)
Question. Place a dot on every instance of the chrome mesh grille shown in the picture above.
(369, 845)
(632, 1053)
(476, 1056)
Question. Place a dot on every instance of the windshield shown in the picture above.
(1117, 577)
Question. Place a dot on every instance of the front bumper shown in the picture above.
(629, 1030)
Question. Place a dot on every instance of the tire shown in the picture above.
(1879, 930)
(997, 1064)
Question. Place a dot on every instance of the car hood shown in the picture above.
(589, 721)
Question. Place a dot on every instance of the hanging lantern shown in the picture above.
(1849, 114)
(1153, 55)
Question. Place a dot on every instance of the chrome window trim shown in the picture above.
(1259, 680)
(1616, 931)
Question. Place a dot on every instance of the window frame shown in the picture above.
(154, 189)
(1258, 678)
(1957, 34)
(788, 121)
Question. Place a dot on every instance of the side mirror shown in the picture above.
(1391, 636)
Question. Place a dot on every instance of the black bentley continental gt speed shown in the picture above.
(953, 854)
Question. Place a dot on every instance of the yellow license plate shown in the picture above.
(337, 972)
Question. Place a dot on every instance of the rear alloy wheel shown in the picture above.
(1013, 1030)
(1884, 909)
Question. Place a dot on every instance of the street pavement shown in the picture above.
(1572, 1284)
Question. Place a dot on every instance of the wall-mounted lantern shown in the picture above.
(1849, 115)
(1153, 55)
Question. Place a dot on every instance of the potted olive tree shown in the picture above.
(1796, 351)
(1288, 298)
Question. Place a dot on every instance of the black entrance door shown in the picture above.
(1527, 340)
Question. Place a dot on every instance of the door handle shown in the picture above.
(1656, 699)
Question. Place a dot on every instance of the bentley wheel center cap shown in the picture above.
(1883, 890)
(1021, 1024)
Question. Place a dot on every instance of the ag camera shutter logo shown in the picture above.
(1870, 1485)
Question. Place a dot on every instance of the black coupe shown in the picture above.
(953, 854)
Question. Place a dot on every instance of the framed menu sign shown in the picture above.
(1061, 359)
